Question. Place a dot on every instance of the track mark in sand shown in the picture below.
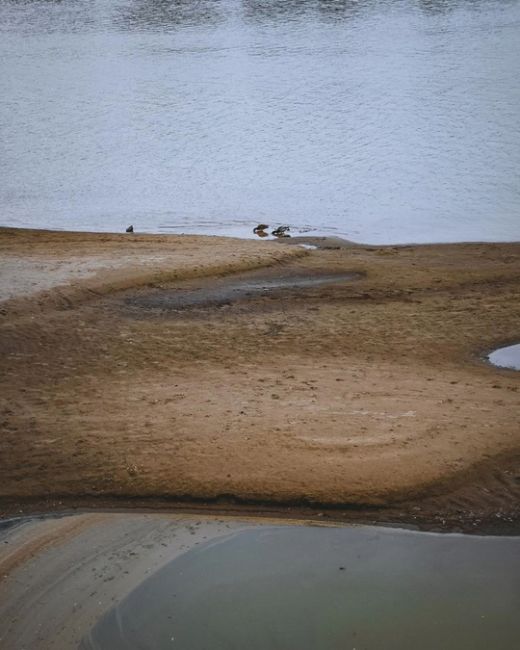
(61, 530)
(386, 439)
(384, 436)
(389, 416)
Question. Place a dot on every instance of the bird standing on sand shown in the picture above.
(130, 229)
(261, 226)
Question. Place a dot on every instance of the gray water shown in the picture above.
(377, 120)
(309, 588)
(508, 357)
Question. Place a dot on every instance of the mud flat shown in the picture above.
(122, 581)
(356, 388)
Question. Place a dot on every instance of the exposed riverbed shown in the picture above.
(345, 378)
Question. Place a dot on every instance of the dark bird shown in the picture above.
(281, 231)
(261, 226)
(130, 229)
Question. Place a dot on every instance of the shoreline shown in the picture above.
(377, 381)
(293, 238)
(75, 569)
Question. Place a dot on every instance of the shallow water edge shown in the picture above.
(309, 587)
(133, 553)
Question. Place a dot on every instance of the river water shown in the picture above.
(377, 120)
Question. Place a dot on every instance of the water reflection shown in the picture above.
(436, 6)
(269, 11)
(446, 6)
(168, 14)
(46, 16)
(74, 15)
(378, 120)
(323, 588)
(276, 11)
(343, 9)
(508, 357)
(273, 10)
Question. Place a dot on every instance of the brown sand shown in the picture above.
(369, 392)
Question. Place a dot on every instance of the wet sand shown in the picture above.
(58, 576)
(128, 580)
(367, 397)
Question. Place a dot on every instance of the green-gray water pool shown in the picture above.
(326, 588)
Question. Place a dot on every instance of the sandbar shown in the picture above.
(368, 396)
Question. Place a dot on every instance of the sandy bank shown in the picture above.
(143, 580)
(366, 391)
(58, 576)
(53, 266)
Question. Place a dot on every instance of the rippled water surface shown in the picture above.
(380, 120)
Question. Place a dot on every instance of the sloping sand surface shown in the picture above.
(370, 390)
(70, 571)
(32, 262)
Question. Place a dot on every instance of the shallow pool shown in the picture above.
(508, 357)
(312, 587)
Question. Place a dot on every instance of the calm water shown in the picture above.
(508, 357)
(304, 588)
(380, 120)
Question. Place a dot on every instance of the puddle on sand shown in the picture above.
(508, 357)
(228, 290)
(310, 587)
